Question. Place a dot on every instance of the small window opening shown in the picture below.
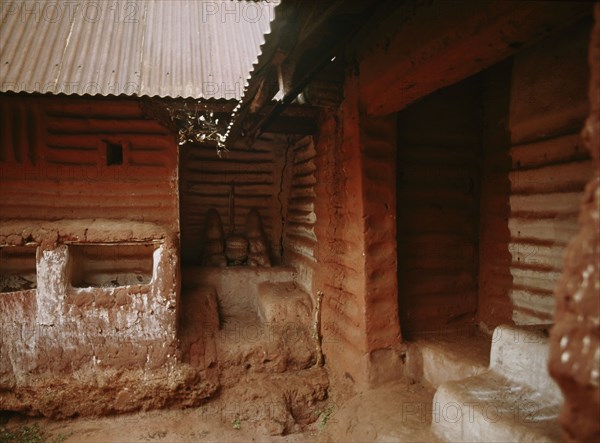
(111, 265)
(17, 268)
(114, 154)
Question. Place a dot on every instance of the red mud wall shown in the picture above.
(534, 172)
(300, 240)
(96, 309)
(378, 156)
(256, 172)
(438, 188)
(53, 153)
(339, 228)
(58, 340)
(354, 206)
(575, 337)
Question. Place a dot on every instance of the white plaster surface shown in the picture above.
(514, 400)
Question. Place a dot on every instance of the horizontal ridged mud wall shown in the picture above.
(534, 176)
(206, 179)
(549, 166)
(378, 153)
(356, 247)
(54, 161)
(339, 228)
(300, 237)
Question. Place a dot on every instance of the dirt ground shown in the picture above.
(397, 412)
(166, 426)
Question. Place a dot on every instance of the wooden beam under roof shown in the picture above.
(317, 29)
(430, 45)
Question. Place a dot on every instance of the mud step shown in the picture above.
(283, 303)
(247, 344)
(237, 286)
(275, 404)
(514, 400)
(440, 358)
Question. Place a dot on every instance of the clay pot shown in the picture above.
(236, 249)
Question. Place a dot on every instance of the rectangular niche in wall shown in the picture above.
(111, 265)
(17, 268)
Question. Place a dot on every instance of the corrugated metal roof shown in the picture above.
(264, 56)
(167, 48)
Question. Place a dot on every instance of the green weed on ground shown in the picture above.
(29, 434)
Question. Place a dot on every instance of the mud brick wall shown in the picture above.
(378, 155)
(575, 337)
(534, 173)
(340, 276)
(54, 164)
(257, 173)
(53, 335)
(354, 162)
(61, 184)
(300, 238)
(79, 173)
(58, 337)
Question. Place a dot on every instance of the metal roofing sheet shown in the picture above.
(166, 48)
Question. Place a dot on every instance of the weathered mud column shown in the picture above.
(356, 228)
